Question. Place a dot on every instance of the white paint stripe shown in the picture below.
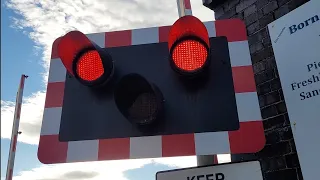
(57, 71)
(146, 147)
(212, 143)
(51, 121)
(211, 28)
(239, 53)
(188, 11)
(20, 90)
(248, 107)
(98, 38)
(145, 36)
(82, 150)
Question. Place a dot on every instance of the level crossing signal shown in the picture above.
(152, 92)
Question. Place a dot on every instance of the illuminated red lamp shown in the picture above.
(189, 45)
(85, 60)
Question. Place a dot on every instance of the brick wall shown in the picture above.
(279, 158)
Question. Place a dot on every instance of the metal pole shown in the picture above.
(180, 4)
(15, 129)
(204, 160)
(184, 7)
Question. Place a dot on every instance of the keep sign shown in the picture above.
(230, 171)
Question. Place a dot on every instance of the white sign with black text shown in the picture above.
(295, 39)
(230, 171)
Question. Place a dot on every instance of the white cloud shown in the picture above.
(30, 120)
(99, 170)
(106, 169)
(224, 158)
(52, 18)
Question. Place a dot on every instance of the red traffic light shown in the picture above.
(188, 45)
(85, 60)
(189, 55)
(89, 66)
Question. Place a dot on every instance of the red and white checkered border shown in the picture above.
(248, 139)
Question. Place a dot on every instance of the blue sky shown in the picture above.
(28, 29)
(18, 57)
(26, 157)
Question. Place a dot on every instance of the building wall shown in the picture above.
(279, 157)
